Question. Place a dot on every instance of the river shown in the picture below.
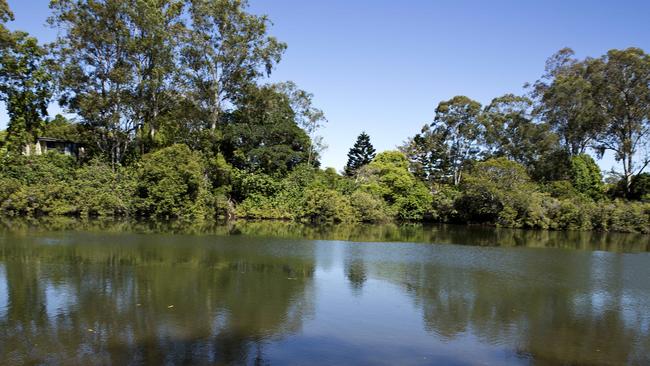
(285, 294)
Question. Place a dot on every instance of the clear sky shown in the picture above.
(381, 66)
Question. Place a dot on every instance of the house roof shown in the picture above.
(52, 139)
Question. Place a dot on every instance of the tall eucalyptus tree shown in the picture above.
(227, 49)
(116, 63)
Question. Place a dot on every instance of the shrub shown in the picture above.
(38, 169)
(102, 191)
(561, 189)
(172, 184)
(248, 184)
(640, 187)
(629, 217)
(325, 206)
(388, 176)
(499, 191)
(415, 205)
(369, 208)
(442, 208)
(586, 177)
(262, 207)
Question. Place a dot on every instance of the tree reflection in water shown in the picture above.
(106, 293)
(148, 301)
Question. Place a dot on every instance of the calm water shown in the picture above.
(281, 294)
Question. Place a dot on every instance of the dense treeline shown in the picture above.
(175, 118)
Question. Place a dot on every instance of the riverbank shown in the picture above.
(177, 183)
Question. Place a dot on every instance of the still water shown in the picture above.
(280, 294)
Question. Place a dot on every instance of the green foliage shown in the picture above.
(171, 184)
(388, 176)
(360, 154)
(263, 207)
(43, 169)
(499, 191)
(253, 184)
(25, 86)
(565, 101)
(325, 206)
(262, 135)
(369, 208)
(640, 187)
(37, 185)
(586, 177)
(176, 123)
(50, 185)
(444, 198)
(101, 191)
(458, 120)
(62, 129)
(510, 131)
(621, 83)
(561, 189)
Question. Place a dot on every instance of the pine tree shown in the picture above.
(360, 154)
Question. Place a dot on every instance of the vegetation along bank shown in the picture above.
(172, 116)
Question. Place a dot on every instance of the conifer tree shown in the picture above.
(360, 154)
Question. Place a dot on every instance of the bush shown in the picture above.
(586, 177)
(38, 169)
(37, 200)
(102, 191)
(499, 191)
(443, 199)
(37, 185)
(625, 217)
(325, 206)
(640, 187)
(249, 184)
(258, 206)
(388, 176)
(172, 184)
(415, 205)
(369, 208)
(561, 189)
(571, 214)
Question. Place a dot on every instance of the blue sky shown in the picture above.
(382, 66)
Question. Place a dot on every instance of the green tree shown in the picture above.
(586, 177)
(157, 28)
(262, 135)
(360, 154)
(499, 191)
(621, 80)
(564, 99)
(511, 131)
(96, 71)
(324, 206)
(227, 50)
(428, 154)
(171, 183)
(458, 122)
(308, 117)
(640, 189)
(388, 176)
(25, 83)
(116, 66)
(6, 15)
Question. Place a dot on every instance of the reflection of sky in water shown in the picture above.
(371, 303)
(380, 318)
(4, 295)
(59, 298)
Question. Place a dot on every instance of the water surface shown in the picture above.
(271, 294)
